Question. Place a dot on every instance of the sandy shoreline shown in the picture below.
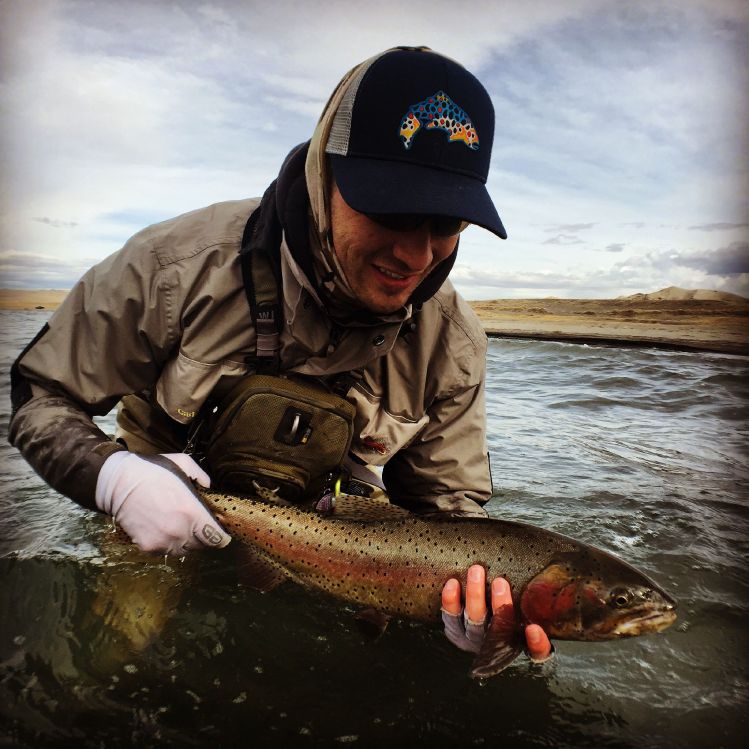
(31, 298)
(690, 324)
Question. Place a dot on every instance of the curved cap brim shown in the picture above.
(380, 186)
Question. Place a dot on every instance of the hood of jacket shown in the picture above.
(298, 204)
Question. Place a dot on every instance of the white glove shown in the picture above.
(154, 503)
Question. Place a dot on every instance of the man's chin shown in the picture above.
(387, 305)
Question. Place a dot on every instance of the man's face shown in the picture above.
(384, 266)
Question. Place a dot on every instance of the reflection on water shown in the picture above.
(638, 451)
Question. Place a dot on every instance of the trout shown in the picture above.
(377, 555)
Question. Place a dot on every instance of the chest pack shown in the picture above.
(281, 433)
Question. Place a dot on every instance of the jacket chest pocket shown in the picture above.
(185, 384)
(378, 433)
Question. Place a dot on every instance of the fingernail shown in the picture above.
(475, 574)
(500, 586)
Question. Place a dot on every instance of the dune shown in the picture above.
(675, 293)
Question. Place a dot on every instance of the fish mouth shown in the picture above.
(654, 621)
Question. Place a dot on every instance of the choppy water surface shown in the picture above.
(639, 451)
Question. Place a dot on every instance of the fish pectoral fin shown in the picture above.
(255, 571)
(502, 643)
(372, 622)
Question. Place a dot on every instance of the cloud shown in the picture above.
(725, 269)
(569, 227)
(616, 247)
(466, 276)
(564, 239)
(721, 226)
(38, 270)
(726, 261)
(57, 223)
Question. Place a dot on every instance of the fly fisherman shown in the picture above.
(337, 278)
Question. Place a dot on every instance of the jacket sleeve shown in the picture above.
(110, 337)
(446, 468)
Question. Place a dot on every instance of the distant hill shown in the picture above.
(676, 294)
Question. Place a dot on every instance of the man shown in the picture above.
(364, 222)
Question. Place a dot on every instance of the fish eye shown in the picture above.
(619, 598)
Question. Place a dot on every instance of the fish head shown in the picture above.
(591, 595)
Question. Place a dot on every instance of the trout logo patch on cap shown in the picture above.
(439, 112)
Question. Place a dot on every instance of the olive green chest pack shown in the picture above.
(281, 434)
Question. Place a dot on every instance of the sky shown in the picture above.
(621, 149)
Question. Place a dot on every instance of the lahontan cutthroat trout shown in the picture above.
(380, 556)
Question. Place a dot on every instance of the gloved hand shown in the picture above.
(152, 500)
(466, 628)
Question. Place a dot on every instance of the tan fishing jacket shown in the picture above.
(167, 318)
(164, 323)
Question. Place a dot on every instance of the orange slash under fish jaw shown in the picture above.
(615, 602)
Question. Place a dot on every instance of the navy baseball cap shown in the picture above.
(413, 134)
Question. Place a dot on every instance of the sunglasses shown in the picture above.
(439, 226)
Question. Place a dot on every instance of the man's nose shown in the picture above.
(414, 248)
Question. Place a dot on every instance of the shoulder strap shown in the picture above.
(260, 258)
(284, 204)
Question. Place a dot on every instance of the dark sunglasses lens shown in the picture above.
(398, 221)
(445, 226)
(440, 226)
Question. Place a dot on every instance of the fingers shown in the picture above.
(451, 598)
(501, 595)
(539, 646)
(476, 594)
(466, 630)
(190, 467)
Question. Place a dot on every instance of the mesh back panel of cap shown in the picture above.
(338, 138)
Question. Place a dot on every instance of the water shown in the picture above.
(639, 451)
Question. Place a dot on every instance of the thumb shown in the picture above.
(190, 467)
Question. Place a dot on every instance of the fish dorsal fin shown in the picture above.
(502, 644)
(256, 571)
(352, 507)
